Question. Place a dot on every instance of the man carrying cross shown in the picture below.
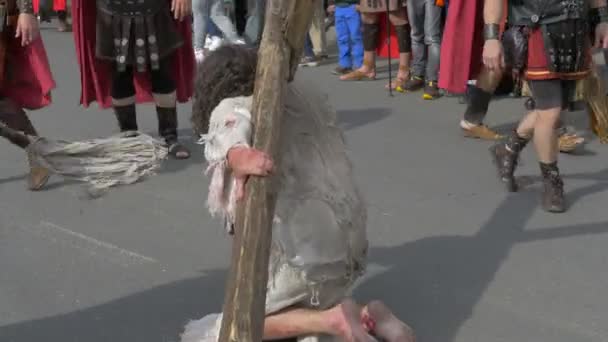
(319, 242)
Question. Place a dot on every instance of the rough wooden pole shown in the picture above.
(286, 24)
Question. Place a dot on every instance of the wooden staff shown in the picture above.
(286, 24)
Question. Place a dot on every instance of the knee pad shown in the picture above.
(370, 37)
(404, 38)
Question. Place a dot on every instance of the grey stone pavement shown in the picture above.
(451, 252)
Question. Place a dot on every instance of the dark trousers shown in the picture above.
(162, 82)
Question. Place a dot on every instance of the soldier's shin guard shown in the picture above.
(478, 102)
(126, 114)
(404, 38)
(370, 37)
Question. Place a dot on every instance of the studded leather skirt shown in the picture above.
(140, 40)
(375, 6)
(559, 51)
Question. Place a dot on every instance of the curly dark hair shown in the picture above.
(227, 72)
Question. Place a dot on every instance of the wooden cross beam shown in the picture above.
(286, 25)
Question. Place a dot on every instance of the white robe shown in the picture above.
(319, 241)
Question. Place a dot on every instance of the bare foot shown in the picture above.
(399, 82)
(363, 73)
(348, 322)
(386, 325)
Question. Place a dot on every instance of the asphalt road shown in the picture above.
(452, 253)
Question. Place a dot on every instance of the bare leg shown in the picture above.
(545, 135)
(488, 80)
(342, 321)
(525, 129)
(399, 20)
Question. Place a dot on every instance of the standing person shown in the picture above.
(41, 8)
(426, 20)
(558, 54)
(136, 52)
(208, 16)
(319, 239)
(348, 32)
(317, 30)
(369, 17)
(29, 83)
(461, 53)
(309, 59)
(255, 21)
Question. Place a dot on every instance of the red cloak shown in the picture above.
(58, 5)
(462, 45)
(95, 74)
(30, 81)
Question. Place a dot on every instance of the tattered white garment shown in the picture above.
(319, 242)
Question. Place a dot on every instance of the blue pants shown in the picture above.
(348, 34)
(308, 51)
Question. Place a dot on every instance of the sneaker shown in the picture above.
(413, 84)
(216, 43)
(208, 41)
(431, 91)
(341, 71)
(240, 41)
(199, 54)
(309, 62)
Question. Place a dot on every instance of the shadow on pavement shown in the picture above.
(432, 283)
(354, 118)
(156, 315)
(435, 283)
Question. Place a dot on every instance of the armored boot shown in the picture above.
(553, 195)
(506, 155)
(167, 128)
(127, 117)
(16, 119)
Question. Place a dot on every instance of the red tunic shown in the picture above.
(537, 68)
(95, 74)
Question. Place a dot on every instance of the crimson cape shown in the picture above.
(462, 44)
(95, 74)
(30, 81)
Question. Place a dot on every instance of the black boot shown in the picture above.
(553, 195)
(167, 128)
(127, 117)
(506, 155)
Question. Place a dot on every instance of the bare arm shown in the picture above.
(492, 11)
(492, 49)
